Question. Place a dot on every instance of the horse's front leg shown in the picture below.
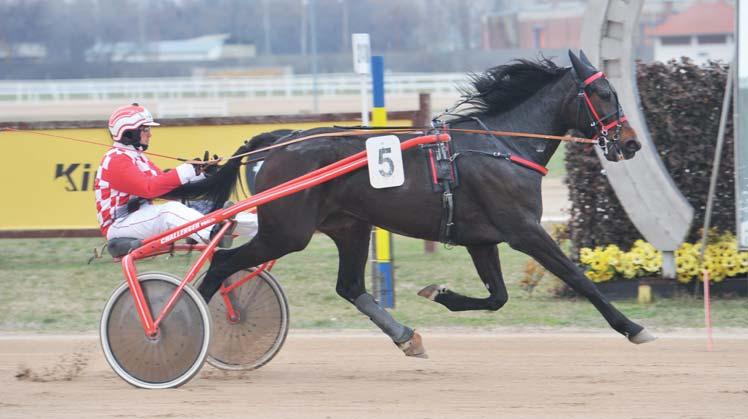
(486, 261)
(536, 242)
(352, 240)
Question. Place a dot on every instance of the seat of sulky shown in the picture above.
(122, 245)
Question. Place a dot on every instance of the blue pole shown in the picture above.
(384, 274)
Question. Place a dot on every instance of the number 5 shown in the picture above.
(383, 160)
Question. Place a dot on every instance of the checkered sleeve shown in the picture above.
(123, 175)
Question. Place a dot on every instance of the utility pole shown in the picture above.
(141, 30)
(266, 27)
(313, 29)
(304, 29)
(344, 35)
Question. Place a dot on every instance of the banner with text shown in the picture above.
(48, 182)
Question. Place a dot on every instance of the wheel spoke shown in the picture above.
(175, 354)
(262, 327)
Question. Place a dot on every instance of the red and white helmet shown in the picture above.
(127, 118)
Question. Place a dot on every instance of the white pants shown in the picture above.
(151, 220)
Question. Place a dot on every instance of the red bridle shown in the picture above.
(599, 121)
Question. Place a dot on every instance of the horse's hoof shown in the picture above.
(413, 347)
(430, 292)
(642, 337)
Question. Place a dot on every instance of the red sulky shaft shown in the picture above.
(290, 187)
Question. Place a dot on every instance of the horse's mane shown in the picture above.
(503, 87)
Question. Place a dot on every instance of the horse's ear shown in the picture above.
(584, 58)
(578, 65)
(583, 70)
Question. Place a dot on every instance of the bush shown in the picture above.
(682, 105)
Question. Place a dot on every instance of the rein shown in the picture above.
(348, 133)
(416, 130)
(78, 140)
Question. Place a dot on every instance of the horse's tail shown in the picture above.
(216, 188)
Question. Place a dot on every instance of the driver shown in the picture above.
(127, 182)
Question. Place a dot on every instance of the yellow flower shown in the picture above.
(743, 262)
(731, 272)
(652, 265)
(599, 265)
(721, 258)
(628, 269)
(596, 276)
(585, 255)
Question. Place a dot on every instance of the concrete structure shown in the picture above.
(704, 31)
(558, 24)
(646, 191)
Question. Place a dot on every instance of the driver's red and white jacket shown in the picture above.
(125, 172)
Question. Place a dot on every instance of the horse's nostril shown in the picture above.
(633, 146)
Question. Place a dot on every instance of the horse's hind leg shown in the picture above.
(536, 242)
(486, 261)
(273, 240)
(351, 237)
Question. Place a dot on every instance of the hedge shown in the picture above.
(682, 104)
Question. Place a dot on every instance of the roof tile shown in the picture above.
(703, 17)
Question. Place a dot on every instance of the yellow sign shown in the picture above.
(48, 182)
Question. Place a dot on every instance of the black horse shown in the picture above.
(496, 200)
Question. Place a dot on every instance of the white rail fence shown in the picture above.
(221, 88)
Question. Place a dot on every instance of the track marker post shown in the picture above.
(707, 311)
(726, 102)
(383, 272)
(362, 67)
(644, 294)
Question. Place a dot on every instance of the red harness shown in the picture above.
(603, 127)
(529, 164)
(512, 158)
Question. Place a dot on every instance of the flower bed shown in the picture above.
(721, 258)
(628, 289)
(618, 273)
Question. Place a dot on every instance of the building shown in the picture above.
(557, 24)
(203, 48)
(536, 25)
(27, 51)
(704, 31)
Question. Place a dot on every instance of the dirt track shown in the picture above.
(362, 375)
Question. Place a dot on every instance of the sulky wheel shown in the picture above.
(175, 354)
(253, 338)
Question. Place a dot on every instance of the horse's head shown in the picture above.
(599, 114)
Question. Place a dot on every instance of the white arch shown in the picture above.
(647, 192)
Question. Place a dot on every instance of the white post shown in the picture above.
(740, 120)
(364, 101)
(362, 66)
(726, 101)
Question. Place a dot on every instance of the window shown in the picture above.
(675, 40)
(712, 39)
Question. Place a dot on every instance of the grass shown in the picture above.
(47, 286)
(556, 166)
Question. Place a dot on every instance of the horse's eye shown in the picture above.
(604, 95)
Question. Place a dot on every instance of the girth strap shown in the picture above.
(445, 180)
(448, 205)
